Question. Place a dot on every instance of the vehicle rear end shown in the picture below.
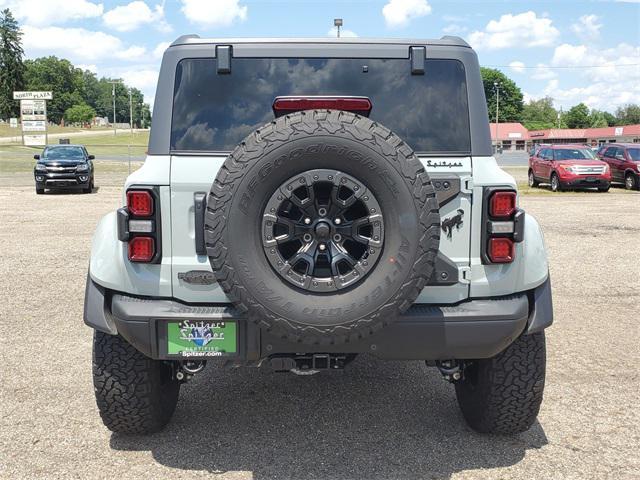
(304, 202)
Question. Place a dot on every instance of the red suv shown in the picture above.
(624, 161)
(568, 166)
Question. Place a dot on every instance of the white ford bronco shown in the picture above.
(306, 201)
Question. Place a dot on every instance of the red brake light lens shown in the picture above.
(501, 250)
(503, 204)
(284, 105)
(141, 249)
(140, 203)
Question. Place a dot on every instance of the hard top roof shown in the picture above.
(447, 40)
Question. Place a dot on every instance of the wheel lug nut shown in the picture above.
(337, 221)
(307, 221)
(322, 247)
(306, 237)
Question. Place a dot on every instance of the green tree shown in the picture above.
(597, 119)
(629, 114)
(60, 77)
(540, 114)
(578, 116)
(11, 66)
(511, 104)
(81, 113)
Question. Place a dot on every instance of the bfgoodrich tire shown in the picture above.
(308, 150)
(134, 393)
(503, 394)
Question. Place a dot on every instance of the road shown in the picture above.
(374, 421)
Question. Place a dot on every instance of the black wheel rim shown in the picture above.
(322, 230)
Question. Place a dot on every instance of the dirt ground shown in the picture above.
(375, 420)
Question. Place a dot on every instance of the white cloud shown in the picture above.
(160, 48)
(77, 44)
(343, 33)
(125, 18)
(604, 82)
(49, 12)
(517, 67)
(220, 13)
(398, 13)
(543, 72)
(522, 30)
(587, 27)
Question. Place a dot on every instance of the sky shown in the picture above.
(573, 51)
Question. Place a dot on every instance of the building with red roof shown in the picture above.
(514, 136)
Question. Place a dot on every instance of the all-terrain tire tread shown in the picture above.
(508, 389)
(327, 122)
(130, 394)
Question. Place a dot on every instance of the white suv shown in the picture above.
(306, 201)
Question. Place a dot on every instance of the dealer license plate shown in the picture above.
(202, 338)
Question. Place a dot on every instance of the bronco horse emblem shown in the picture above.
(448, 224)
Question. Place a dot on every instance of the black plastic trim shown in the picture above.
(445, 271)
(541, 315)
(447, 187)
(477, 328)
(95, 314)
(223, 56)
(122, 221)
(418, 55)
(200, 208)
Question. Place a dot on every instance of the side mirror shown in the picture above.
(36, 157)
(91, 157)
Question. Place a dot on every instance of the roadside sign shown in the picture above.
(34, 126)
(33, 110)
(33, 116)
(13, 122)
(32, 95)
(35, 140)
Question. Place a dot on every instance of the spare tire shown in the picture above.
(322, 227)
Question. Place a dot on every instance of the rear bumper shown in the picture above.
(478, 328)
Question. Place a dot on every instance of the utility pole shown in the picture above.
(113, 94)
(130, 114)
(337, 22)
(496, 85)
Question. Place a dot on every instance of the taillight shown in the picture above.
(140, 203)
(503, 225)
(502, 204)
(139, 225)
(141, 249)
(501, 250)
(284, 105)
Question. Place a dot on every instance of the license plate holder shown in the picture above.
(198, 338)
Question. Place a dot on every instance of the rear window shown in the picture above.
(213, 112)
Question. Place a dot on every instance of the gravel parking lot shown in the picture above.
(375, 420)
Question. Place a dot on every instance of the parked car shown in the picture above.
(568, 166)
(64, 167)
(624, 161)
(310, 227)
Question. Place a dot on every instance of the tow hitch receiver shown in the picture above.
(451, 370)
(309, 364)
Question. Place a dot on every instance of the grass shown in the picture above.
(99, 145)
(10, 166)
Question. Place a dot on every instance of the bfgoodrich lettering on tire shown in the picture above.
(322, 226)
